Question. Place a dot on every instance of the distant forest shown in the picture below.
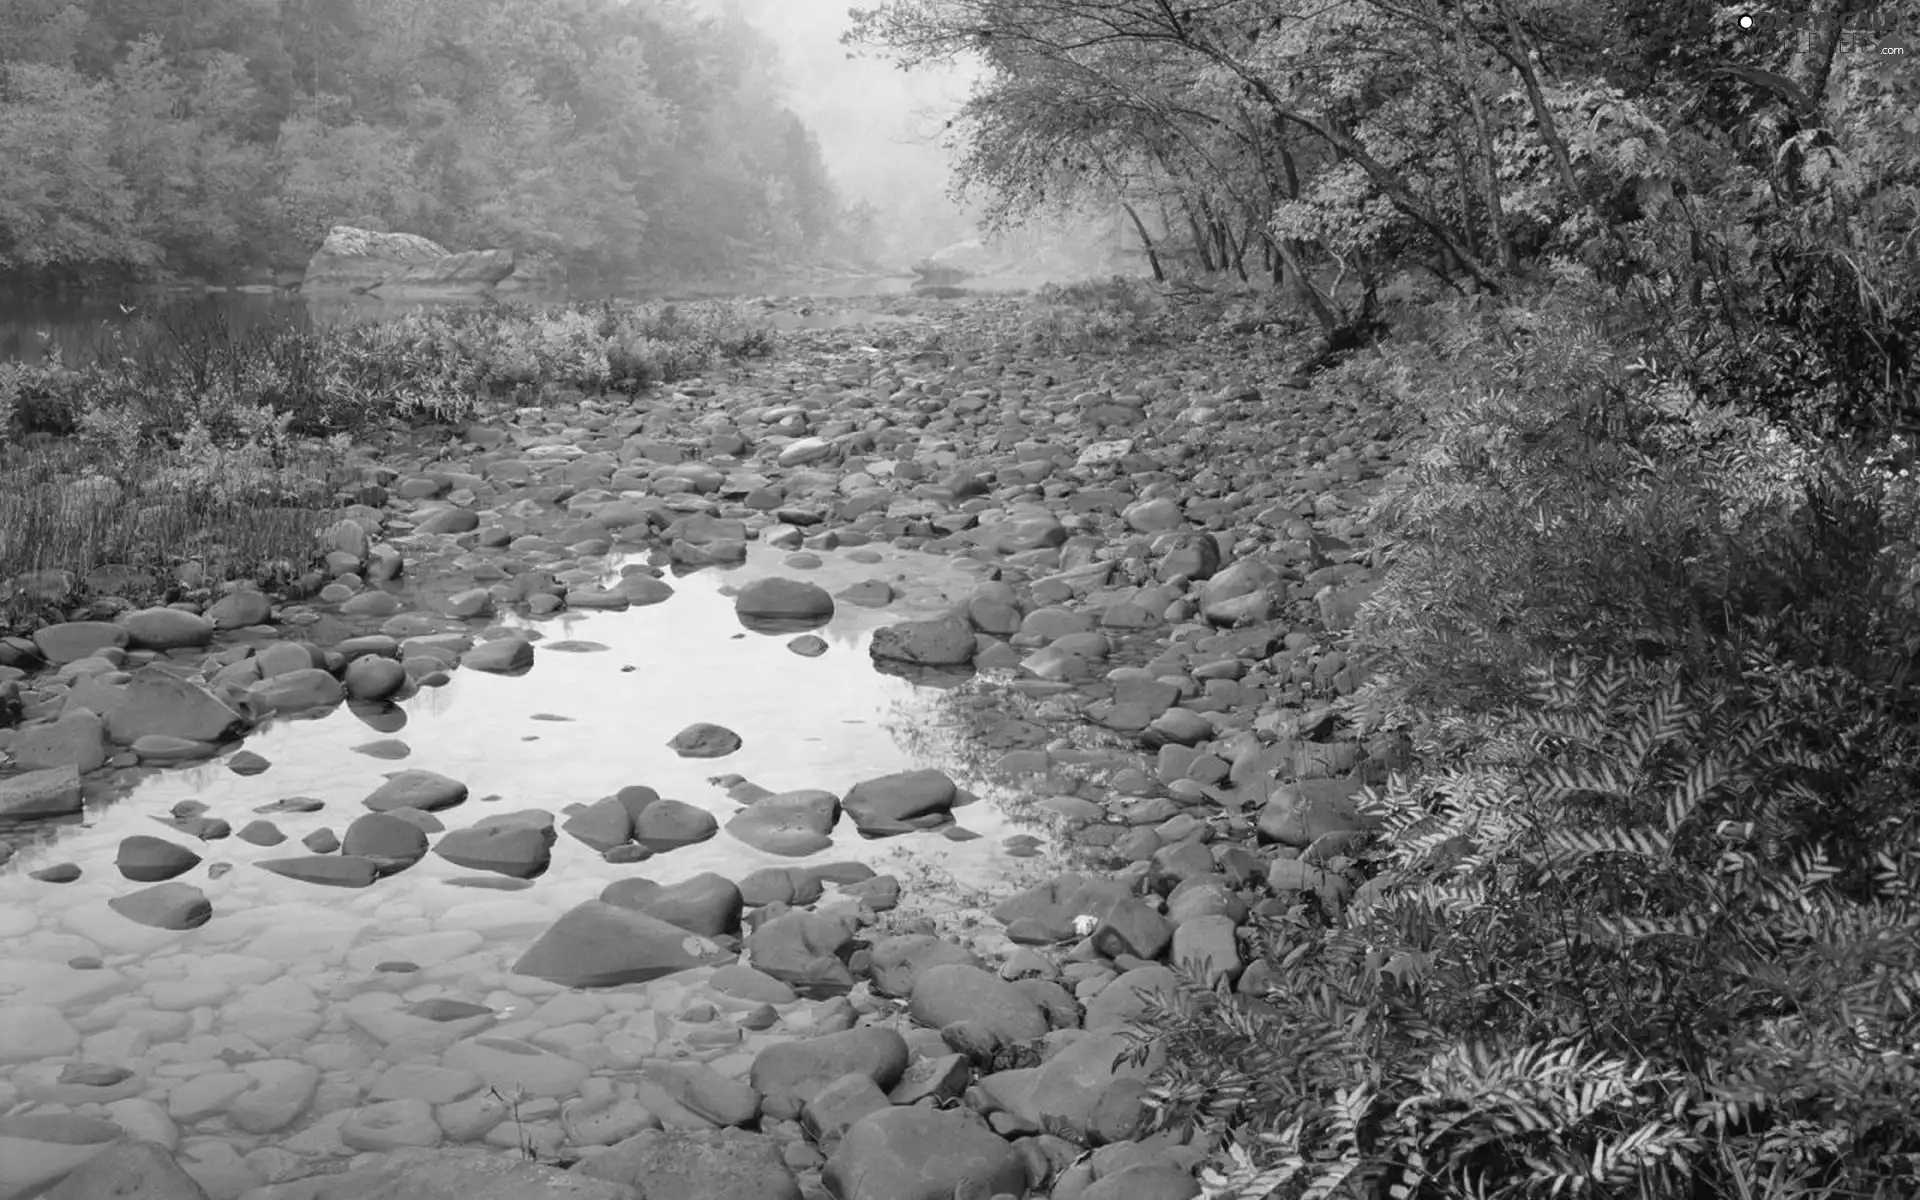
(217, 138)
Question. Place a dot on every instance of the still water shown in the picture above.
(81, 324)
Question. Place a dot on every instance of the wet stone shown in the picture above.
(703, 740)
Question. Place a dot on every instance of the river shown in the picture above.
(81, 324)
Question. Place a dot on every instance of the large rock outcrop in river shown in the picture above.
(359, 260)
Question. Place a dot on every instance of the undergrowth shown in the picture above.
(184, 444)
(1639, 920)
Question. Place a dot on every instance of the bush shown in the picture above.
(1640, 920)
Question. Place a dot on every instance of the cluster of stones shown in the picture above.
(1170, 555)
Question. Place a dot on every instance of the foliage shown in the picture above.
(191, 442)
(226, 136)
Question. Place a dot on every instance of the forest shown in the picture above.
(220, 139)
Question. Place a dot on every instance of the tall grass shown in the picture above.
(184, 441)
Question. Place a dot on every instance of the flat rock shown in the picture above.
(165, 906)
(794, 824)
(71, 641)
(327, 870)
(507, 1063)
(53, 792)
(78, 739)
(601, 945)
(160, 702)
(520, 851)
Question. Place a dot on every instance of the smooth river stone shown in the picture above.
(426, 790)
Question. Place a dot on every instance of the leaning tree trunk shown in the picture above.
(1146, 240)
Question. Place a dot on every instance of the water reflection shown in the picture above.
(83, 325)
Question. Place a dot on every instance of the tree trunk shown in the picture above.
(1146, 240)
(1489, 177)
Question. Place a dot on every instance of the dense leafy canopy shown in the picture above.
(225, 134)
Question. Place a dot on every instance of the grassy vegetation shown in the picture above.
(191, 456)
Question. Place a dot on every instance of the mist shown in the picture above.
(880, 132)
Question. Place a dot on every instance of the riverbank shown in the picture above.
(1107, 574)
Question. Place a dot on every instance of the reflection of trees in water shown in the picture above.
(951, 729)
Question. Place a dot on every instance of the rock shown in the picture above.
(373, 677)
(146, 859)
(37, 1148)
(787, 1073)
(160, 702)
(165, 629)
(704, 1091)
(774, 604)
(387, 839)
(165, 906)
(519, 851)
(500, 656)
(1122, 1000)
(1047, 913)
(603, 825)
(72, 641)
(702, 740)
(791, 823)
(359, 260)
(895, 962)
(128, 1170)
(832, 1110)
(922, 1154)
(669, 824)
(423, 790)
(942, 642)
(899, 802)
(446, 1173)
(294, 691)
(1207, 944)
(1072, 1084)
(1153, 516)
(54, 792)
(33, 1031)
(707, 904)
(696, 1164)
(804, 450)
(806, 951)
(600, 945)
(507, 1063)
(390, 1124)
(1144, 1181)
(1128, 926)
(328, 870)
(951, 992)
(77, 739)
(281, 1090)
(1298, 813)
(240, 609)
(797, 886)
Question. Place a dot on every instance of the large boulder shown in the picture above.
(360, 260)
